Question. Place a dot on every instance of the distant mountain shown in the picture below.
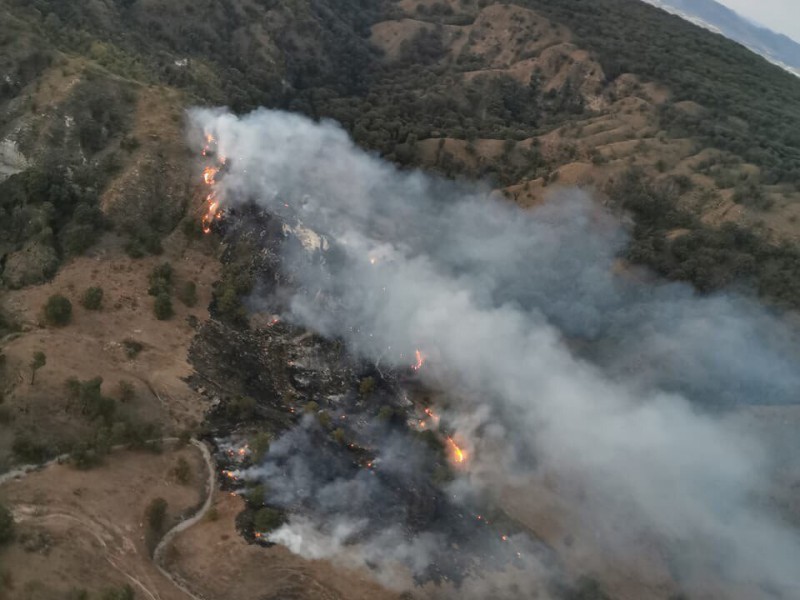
(709, 14)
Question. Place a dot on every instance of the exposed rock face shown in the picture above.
(11, 159)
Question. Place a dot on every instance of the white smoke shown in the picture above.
(502, 300)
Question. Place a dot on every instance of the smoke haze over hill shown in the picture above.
(501, 301)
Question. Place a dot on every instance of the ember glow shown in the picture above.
(458, 455)
(420, 360)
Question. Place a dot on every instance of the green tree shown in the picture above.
(366, 386)
(259, 445)
(92, 298)
(39, 360)
(163, 307)
(339, 436)
(58, 310)
(160, 280)
(266, 519)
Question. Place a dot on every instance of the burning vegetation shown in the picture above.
(211, 172)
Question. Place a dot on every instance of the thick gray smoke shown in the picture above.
(606, 380)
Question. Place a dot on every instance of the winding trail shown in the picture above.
(158, 553)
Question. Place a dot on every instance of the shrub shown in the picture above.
(58, 310)
(29, 451)
(160, 280)
(162, 307)
(90, 400)
(255, 495)
(366, 386)
(132, 347)
(127, 393)
(92, 298)
(6, 525)
(156, 514)
(267, 519)
(187, 293)
(339, 436)
(259, 446)
(242, 407)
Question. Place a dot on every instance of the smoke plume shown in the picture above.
(559, 359)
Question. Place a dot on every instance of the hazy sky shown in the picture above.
(782, 16)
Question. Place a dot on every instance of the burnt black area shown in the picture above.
(262, 374)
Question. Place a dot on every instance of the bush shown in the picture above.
(58, 310)
(160, 280)
(162, 307)
(266, 519)
(339, 436)
(6, 525)
(242, 407)
(187, 293)
(132, 347)
(29, 451)
(90, 400)
(255, 495)
(259, 446)
(366, 386)
(156, 514)
(92, 298)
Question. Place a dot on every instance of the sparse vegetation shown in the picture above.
(182, 471)
(127, 393)
(267, 519)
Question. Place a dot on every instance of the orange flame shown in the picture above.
(420, 360)
(208, 175)
(457, 453)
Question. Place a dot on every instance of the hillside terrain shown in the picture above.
(691, 140)
(712, 15)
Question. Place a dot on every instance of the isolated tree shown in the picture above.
(58, 310)
(39, 360)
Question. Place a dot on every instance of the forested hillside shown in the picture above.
(693, 134)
